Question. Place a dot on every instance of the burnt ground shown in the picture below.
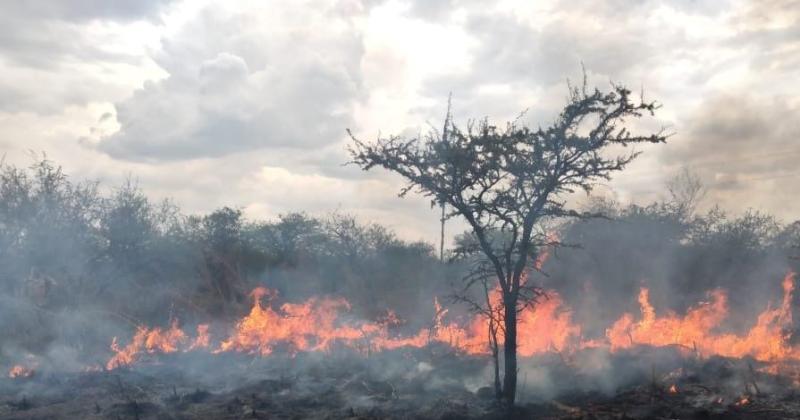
(419, 384)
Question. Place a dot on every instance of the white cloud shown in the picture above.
(263, 79)
(245, 104)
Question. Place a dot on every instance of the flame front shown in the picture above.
(320, 324)
(147, 340)
(308, 326)
(767, 341)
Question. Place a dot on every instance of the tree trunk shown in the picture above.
(510, 352)
(498, 388)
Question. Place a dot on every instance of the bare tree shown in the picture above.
(686, 191)
(505, 182)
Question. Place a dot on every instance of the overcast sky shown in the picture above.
(246, 103)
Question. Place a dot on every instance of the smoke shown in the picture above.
(81, 264)
(679, 257)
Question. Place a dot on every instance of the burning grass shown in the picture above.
(320, 324)
(313, 357)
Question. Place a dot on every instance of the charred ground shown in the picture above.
(660, 384)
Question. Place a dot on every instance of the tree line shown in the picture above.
(75, 247)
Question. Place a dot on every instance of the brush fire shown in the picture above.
(322, 328)
(304, 244)
(317, 325)
(329, 318)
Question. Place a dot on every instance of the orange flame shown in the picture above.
(202, 341)
(319, 324)
(307, 326)
(767, 341)
(146, 340)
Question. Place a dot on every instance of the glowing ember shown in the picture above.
(19, 371)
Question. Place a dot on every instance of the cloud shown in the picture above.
(745, 148)
(771, 29)
(733, 138)
(522, 59)
(40, 34)
(59, 54)
(261, 81)
(83, 10)
(245, 103)
(514, 51)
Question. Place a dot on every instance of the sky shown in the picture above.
(246, 103)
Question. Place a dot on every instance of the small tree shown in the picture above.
(686, 191)
(127, 224)
(505, 183)
(223, 239)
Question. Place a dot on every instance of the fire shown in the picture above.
(322, 323)
(688, 331)
(202, 341)
(469, 339)
(547, 327)
(673, 389)
(768, 340)
(19, 371)
(308, 326)
(146, 340)
(317, 324)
